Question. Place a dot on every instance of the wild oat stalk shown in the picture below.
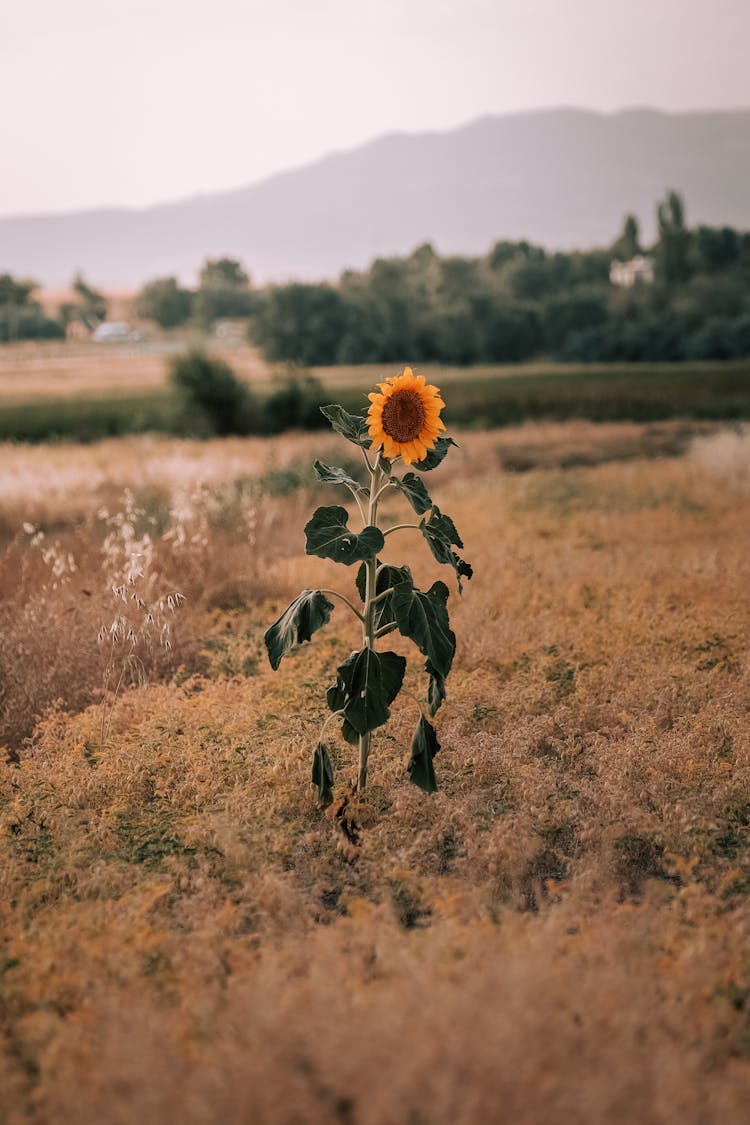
(403, 424)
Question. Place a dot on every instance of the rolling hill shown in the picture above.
(562, 177)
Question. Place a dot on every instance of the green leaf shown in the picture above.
(435, 456)
(328, 537)
(424, 747)
(351, 426)
(441, 535)
(331, 474)
(415, 492)
(435, 688)
(309, 611)
(424, 619)
(322, 774)
(366, 685)
(387, 578)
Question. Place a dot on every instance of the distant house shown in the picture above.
(627, 274)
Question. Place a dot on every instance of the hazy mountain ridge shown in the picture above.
(563, 178)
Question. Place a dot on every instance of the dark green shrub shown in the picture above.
(28, 322)
(295, 404)
(214, 400)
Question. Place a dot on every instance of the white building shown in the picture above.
(626, 274)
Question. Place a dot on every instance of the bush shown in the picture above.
(213, 398)
(165, 302)
(296, 404)
(28, 322)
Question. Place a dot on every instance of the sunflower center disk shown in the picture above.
(403, 416)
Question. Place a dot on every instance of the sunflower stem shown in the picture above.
(388, 484)
(359, 505)
(368, 619)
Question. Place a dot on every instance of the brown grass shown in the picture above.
(560, 934)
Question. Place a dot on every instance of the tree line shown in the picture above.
(519, 301)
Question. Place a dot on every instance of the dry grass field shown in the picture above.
(560, 934)
(37, 371)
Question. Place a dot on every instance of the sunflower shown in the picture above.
(405, 417)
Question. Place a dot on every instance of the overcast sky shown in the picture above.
(148, 100)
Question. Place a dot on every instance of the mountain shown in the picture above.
(562, 177)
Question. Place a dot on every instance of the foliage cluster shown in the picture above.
(88, 306)
(521, 301)
(21, 316)
(224, 291)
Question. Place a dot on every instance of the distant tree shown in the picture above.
(221, 272)
(537, 277)
(673, 247)
(92, 303)
(303, 323)
(224, 291)
(15, 292)
(165, 302)
(717, 248)
(569, 313)
(628, 245)
(508, 333)
(21, 317)
(504, 252)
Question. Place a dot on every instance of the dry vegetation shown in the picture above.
(560, 934)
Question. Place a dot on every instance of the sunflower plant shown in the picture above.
(403, 425)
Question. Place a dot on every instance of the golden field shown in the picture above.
(559, 934)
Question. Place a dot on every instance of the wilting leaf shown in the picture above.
(441, 535)
(322, 774)
(351, 426)
(424, 619)
(350, 839)
(436, 455)
(336, 698)
(414, 490)
(366, 685)
(387, 578)
(331, 474)
(328, 537)
(309, 611)
(435, 688)
(424, 747)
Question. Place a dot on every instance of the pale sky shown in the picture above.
(142, 101)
